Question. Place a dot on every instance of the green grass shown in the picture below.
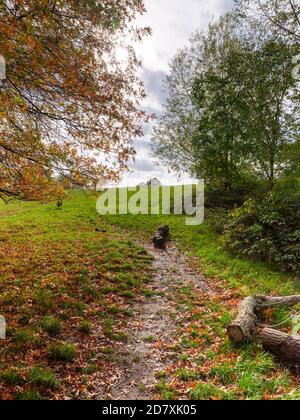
(25, 339)
(204, 391)
(250, 373)
(253, 374)
(187, 374)
(60, 267)
(248, 275)
(43, 378)
(166, 391)
(61, 353)
(149, 339)
(28, 396)
(85, 327)
(11, 377)
(57, 268)
(51, 325)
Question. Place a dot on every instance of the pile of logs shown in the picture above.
(247, 327)
(161, 237)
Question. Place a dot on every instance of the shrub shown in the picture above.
(216, 196)
(218, 218)
(268, 230)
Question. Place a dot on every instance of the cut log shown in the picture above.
(246, 328)
(164, 230)
(245, 324)
(159, 241)
(161, 236)
(285, 347)
(269, 302)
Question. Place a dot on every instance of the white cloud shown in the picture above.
(173, 22)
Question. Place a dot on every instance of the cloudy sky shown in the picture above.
(172, 22)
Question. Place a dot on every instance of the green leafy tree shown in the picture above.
(221, 144)
(177, 129)
(283, 16)
(268, 92)
(232, 107)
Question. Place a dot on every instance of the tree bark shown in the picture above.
(245, 328)
(269, 302)
(285, 347)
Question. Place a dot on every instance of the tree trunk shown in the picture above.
(285, 347)
(245, 328)
(269, 302)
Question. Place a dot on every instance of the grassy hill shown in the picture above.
(68, 280)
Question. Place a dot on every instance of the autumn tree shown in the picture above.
(69, 106)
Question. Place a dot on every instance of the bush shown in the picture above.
(217, 218)
(216, 196)
(268, 230)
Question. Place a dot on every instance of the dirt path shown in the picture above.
(154, 321)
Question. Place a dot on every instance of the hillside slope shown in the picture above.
(70, 285)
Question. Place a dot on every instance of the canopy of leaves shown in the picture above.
(232, 106)
(248, 115)
(195, 68)
(281, 15)
(69, 105)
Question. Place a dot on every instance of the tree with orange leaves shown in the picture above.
(69, 105)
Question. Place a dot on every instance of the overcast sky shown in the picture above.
(172, 22)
